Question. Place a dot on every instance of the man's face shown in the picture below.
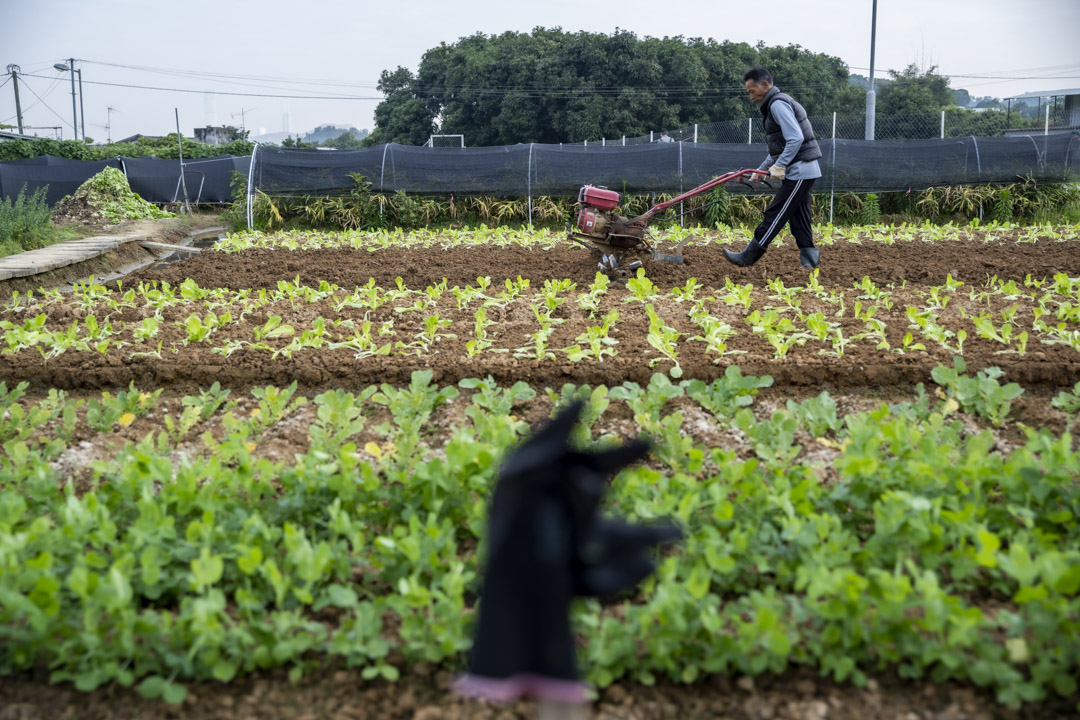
(757, 90)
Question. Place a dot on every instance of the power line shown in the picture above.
(56, 84)
(219, 92)
(206, 74)
(609, 91)
(529, 90)
(42, 101)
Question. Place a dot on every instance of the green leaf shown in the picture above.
(249, 559)
(224, 670)
(698, 582)
(174, 693)
(152, 687)
(987, 556)
(207, 568)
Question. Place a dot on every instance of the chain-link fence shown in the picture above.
(950, 123)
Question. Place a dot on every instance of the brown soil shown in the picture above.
(911, 265)
(914, 262)
(865, 375)
(342, 695)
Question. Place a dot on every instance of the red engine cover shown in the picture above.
(598, 197)
(590, 222)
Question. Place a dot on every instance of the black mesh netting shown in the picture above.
(61, 176)
(520, 170)
(153, 179)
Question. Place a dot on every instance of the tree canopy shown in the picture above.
(553, 86)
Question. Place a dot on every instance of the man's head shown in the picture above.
(758, 82)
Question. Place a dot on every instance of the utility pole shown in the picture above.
(70, 67)
(180, 143)
(243, 126)
(82, 112)
(14, 70)
(871, 98)
(108, 123)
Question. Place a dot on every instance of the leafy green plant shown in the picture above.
(596, 339)
(641, 288)
(981, 395)
(663, 338)
(410, 409)
(725, 395)
(123, 408)
(339, 417)
(24, 221)
(1067, 402)
(818, 414)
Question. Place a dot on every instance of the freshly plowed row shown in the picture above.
(909, 266)
(922, 263)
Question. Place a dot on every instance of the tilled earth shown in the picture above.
(842, 264)
(424, 694)
(910, 266)
(342, 695)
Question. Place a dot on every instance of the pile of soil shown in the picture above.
(105, 199)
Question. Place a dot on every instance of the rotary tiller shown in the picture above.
(622, 243)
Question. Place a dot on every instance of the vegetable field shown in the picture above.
(270, 463)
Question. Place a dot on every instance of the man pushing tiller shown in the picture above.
(793, 159)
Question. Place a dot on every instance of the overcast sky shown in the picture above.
(283, 48)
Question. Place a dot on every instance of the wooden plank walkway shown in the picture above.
(60, 255)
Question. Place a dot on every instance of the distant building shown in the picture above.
(213, 135)
(1063, 107)
(137, 136)
(9, 135)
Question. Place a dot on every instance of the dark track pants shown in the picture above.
(791, 206)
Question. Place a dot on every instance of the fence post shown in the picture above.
(1046, 128)
(749, 130)
(623, 139)
(695, 133)
(942, 124)
(528, 185)
(832, 190)
(603, 142)
(650, 136)
(251, 176)
(682, 219)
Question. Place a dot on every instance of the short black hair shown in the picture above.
(758, 74)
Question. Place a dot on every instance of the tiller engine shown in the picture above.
(622, 243)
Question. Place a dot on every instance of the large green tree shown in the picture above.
(552, 86)
(913, 91)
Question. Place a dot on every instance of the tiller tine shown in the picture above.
(663, 257)
(677, 258)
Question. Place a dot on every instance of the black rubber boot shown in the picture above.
(809, 257)
(747, 257)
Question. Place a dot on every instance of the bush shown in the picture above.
(24, 221)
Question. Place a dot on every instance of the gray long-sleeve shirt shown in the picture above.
(783, 113)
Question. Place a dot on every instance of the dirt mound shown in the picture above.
(106, 198)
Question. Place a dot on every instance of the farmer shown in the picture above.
(793, 160)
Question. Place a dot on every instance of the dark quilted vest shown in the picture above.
(774, 135)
